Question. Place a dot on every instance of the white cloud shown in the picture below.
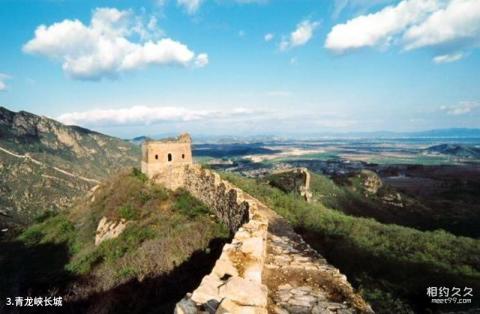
(105, 48)
(378, 28)
(300, 36)
(463, 107)
(448, 58)
(191, 6)
(201, 60)
(3, 78)
(449, 27)
(457, 24)
(144, 115)
(268, 37)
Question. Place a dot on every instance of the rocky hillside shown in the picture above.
(168, 242)
(44, 164)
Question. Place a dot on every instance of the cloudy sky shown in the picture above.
(130, 68)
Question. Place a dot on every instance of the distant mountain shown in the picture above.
(435, 133)
(452, 133)
(448, 133)
(44, 164)
(456, 150)
(139, 140)
(230, 150)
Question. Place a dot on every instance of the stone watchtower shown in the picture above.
(164, 161)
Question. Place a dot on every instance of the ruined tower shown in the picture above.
(165, 160)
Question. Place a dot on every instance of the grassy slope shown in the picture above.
(392, 265)
(454, 209)
(164, 230)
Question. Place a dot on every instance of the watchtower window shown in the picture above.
(156, 156)
(183, 156)
(169, 157)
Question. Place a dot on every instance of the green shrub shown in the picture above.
(189, 206)
(128, 241)
(139, 175)
(82, 264)
(111, 250)
(56, 229)
(126, 272)
(128, 213)
(44, 216)
(31, 236)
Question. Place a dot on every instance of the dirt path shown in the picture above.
(30, 158)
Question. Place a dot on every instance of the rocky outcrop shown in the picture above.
(371, 181)
(108, 229)
(295, 180)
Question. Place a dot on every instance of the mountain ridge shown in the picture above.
(45, 165)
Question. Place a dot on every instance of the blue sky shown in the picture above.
(130, 68)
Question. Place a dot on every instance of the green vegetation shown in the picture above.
(321, 156)
(163, 230)
(347, 194)
(55, 229)
(412, 160)
(381, 260)
(314, 156)
(288, 182)
(188, 205)
(139, 174)
(110, 252)
(127, 212)
(452, 206)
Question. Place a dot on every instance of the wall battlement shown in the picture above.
(165, 159)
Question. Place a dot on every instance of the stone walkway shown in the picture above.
(299, 280)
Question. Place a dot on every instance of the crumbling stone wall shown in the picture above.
(267, 268)
(221, 196)
(235, 283)
(294, 179)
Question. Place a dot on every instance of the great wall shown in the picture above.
(267, 267)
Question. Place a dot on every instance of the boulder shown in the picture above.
(109, 229)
